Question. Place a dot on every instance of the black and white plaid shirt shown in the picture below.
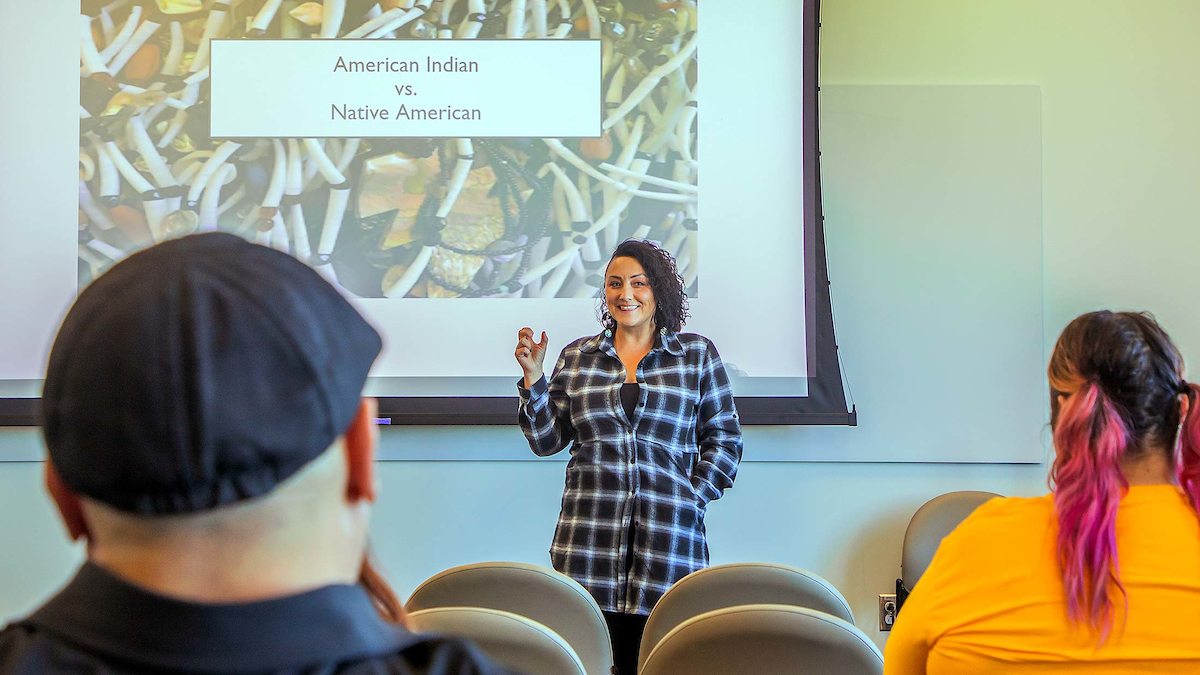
(661, 469)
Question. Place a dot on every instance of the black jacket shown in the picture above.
(100, 624)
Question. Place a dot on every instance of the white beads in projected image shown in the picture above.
(391, 217)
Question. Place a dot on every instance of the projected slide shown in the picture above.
(459, 168)
(485, 210)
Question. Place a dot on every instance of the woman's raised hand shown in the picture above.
(530, 355)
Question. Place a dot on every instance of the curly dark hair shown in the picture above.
(665, 282)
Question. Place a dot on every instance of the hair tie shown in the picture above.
(1184, 388)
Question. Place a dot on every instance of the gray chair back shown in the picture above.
(765, 640)
(740, 584)
(543, 595)
(518, 643)
(929, 525)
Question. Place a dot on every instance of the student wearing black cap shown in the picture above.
(208, 440)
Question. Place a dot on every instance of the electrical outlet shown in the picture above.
(887, 610)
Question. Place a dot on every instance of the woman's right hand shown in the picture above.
(530, 355)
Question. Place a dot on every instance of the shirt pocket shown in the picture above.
(673, 465)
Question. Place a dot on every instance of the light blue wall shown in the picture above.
(1121, 162)
(843, 521)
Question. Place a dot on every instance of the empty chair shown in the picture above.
(929, 525)
(764, 640)
(740, 584)
(517, 642)
(552, 599)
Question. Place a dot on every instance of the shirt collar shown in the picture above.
(105, 614)
(603, 342)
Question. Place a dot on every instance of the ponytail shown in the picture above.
(1090, 439)
(1187, 448)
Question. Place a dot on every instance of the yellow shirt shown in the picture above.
(992, 600)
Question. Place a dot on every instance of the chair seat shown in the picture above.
(513, 641)
(740, 584)
(543, 595)
(764, 640)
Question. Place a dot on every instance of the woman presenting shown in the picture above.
(654, 436)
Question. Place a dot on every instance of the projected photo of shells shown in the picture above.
(394, 218)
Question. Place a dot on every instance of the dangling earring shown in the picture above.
(607, 332)
(663, 330)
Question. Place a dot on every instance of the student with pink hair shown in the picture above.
(1102, 575)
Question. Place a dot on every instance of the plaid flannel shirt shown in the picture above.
(661, 469)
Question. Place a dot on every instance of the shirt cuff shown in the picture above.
(705, 490)
(540, 387)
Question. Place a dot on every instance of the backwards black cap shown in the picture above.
(201, 372)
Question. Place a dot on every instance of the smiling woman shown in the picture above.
(655, 272)
(654, 435)
(628, 299)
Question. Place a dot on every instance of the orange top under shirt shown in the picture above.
(992, 600)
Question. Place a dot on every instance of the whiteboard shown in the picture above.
(932, 199)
